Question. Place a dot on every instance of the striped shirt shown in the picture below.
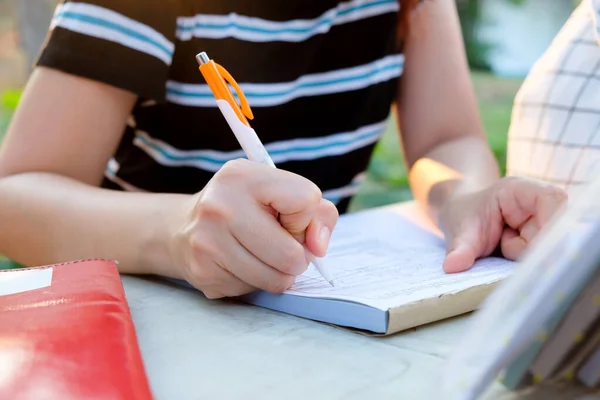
(320, 77)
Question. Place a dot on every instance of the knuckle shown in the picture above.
(237, 291)
(330, 208)
(214, 211)
(288, 281)
(507, 184)
(199, 279)
(204, 279)
(556, 192)
(313, 194)
(212, 295)
(304, 190)
(293, 259)
(280, 285)
(503, 192)
(510, 179)
(235, 168)
(202, 245)
(236, 164)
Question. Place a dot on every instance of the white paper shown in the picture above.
(383, 260)
(16, 281)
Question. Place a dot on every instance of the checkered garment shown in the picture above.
(555, 127)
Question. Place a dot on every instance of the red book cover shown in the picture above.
(66, 333)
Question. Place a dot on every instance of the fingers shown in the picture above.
(278, 243)
(238, 242)
(230, 269)
(512, 244)
(526, 205)
(319, 231)
(459, 257)
(549, 203)
(233, 272)
(261, 233)
(463, 248)
(285, 192)
(250, 269)
(529, 230)
(520, 199)
(216, 282)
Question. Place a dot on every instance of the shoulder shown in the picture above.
(125, 43)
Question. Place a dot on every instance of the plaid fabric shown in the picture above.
(555, 127)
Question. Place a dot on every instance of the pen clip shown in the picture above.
(245, 107)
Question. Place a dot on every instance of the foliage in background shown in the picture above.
(10, 99)
(8, 103)
(471, 18)
(470, 15)
(469, 12)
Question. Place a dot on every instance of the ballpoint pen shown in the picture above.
(237, 116)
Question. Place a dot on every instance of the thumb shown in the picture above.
(461, 253)
(298, 223)
(319, 231)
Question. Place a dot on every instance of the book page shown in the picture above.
(384, 260)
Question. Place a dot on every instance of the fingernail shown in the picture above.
(324, 235)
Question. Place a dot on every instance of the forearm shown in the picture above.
(442, 134)
(455, 167)
(47, 219)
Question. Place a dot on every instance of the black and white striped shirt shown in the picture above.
(320, 77)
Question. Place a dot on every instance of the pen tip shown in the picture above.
(332, 283)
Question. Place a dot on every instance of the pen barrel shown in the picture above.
(246, 136)
(255, 151)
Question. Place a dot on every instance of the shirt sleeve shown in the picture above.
(128, 44)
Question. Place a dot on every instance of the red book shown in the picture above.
(66, 333)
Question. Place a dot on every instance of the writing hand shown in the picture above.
(230, 241)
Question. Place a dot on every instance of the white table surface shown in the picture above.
(194, 348)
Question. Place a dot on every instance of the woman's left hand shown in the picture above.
(508, 214)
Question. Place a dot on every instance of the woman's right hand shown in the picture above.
(249, 229)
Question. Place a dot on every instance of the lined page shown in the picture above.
(382, 259)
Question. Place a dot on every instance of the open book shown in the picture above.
(387, 267)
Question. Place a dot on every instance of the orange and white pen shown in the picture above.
(237, 116)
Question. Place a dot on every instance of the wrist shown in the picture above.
(158, 255)
(457, 189)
